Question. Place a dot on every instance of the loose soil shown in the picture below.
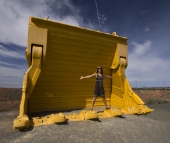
(150, 128)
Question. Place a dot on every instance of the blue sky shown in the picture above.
(144, 22)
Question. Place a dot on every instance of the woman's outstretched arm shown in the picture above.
(108, 76)
(89, 76)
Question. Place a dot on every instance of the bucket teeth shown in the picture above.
(130, 110)
(89, 115)
(21, 122)
(117, 112)
(52, 119)
(60, 118)
(83, 115)
(113, 112)
(146, 110)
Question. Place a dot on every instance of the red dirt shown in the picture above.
(10, 98)
(9, 105)
(156, 94)
(3, 91)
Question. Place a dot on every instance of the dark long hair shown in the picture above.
(101, 70)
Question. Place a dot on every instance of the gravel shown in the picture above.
(151, 128)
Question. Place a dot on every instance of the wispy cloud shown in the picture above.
(141, 49)
(8, 71)
(147, 29)
(102, 18)
(144, 11)
(2, 63)
(11, 77)
(145, 66)
(14, 17)
(4, 52)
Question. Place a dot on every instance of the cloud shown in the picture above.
(147, 29)
(12, 72)
(10, 54)
(2, 63)
(11, 77)
(102, 18)
(141, 49)
(144, 66)
(15, 13)
(144, 11)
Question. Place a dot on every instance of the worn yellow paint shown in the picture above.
(57, 55)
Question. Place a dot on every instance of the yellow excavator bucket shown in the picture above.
(57, 55)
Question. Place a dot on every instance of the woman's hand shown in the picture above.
(81, 77)
(89, 76)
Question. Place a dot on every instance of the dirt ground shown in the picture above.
(150, 128)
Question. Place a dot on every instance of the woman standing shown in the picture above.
(99, 89)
